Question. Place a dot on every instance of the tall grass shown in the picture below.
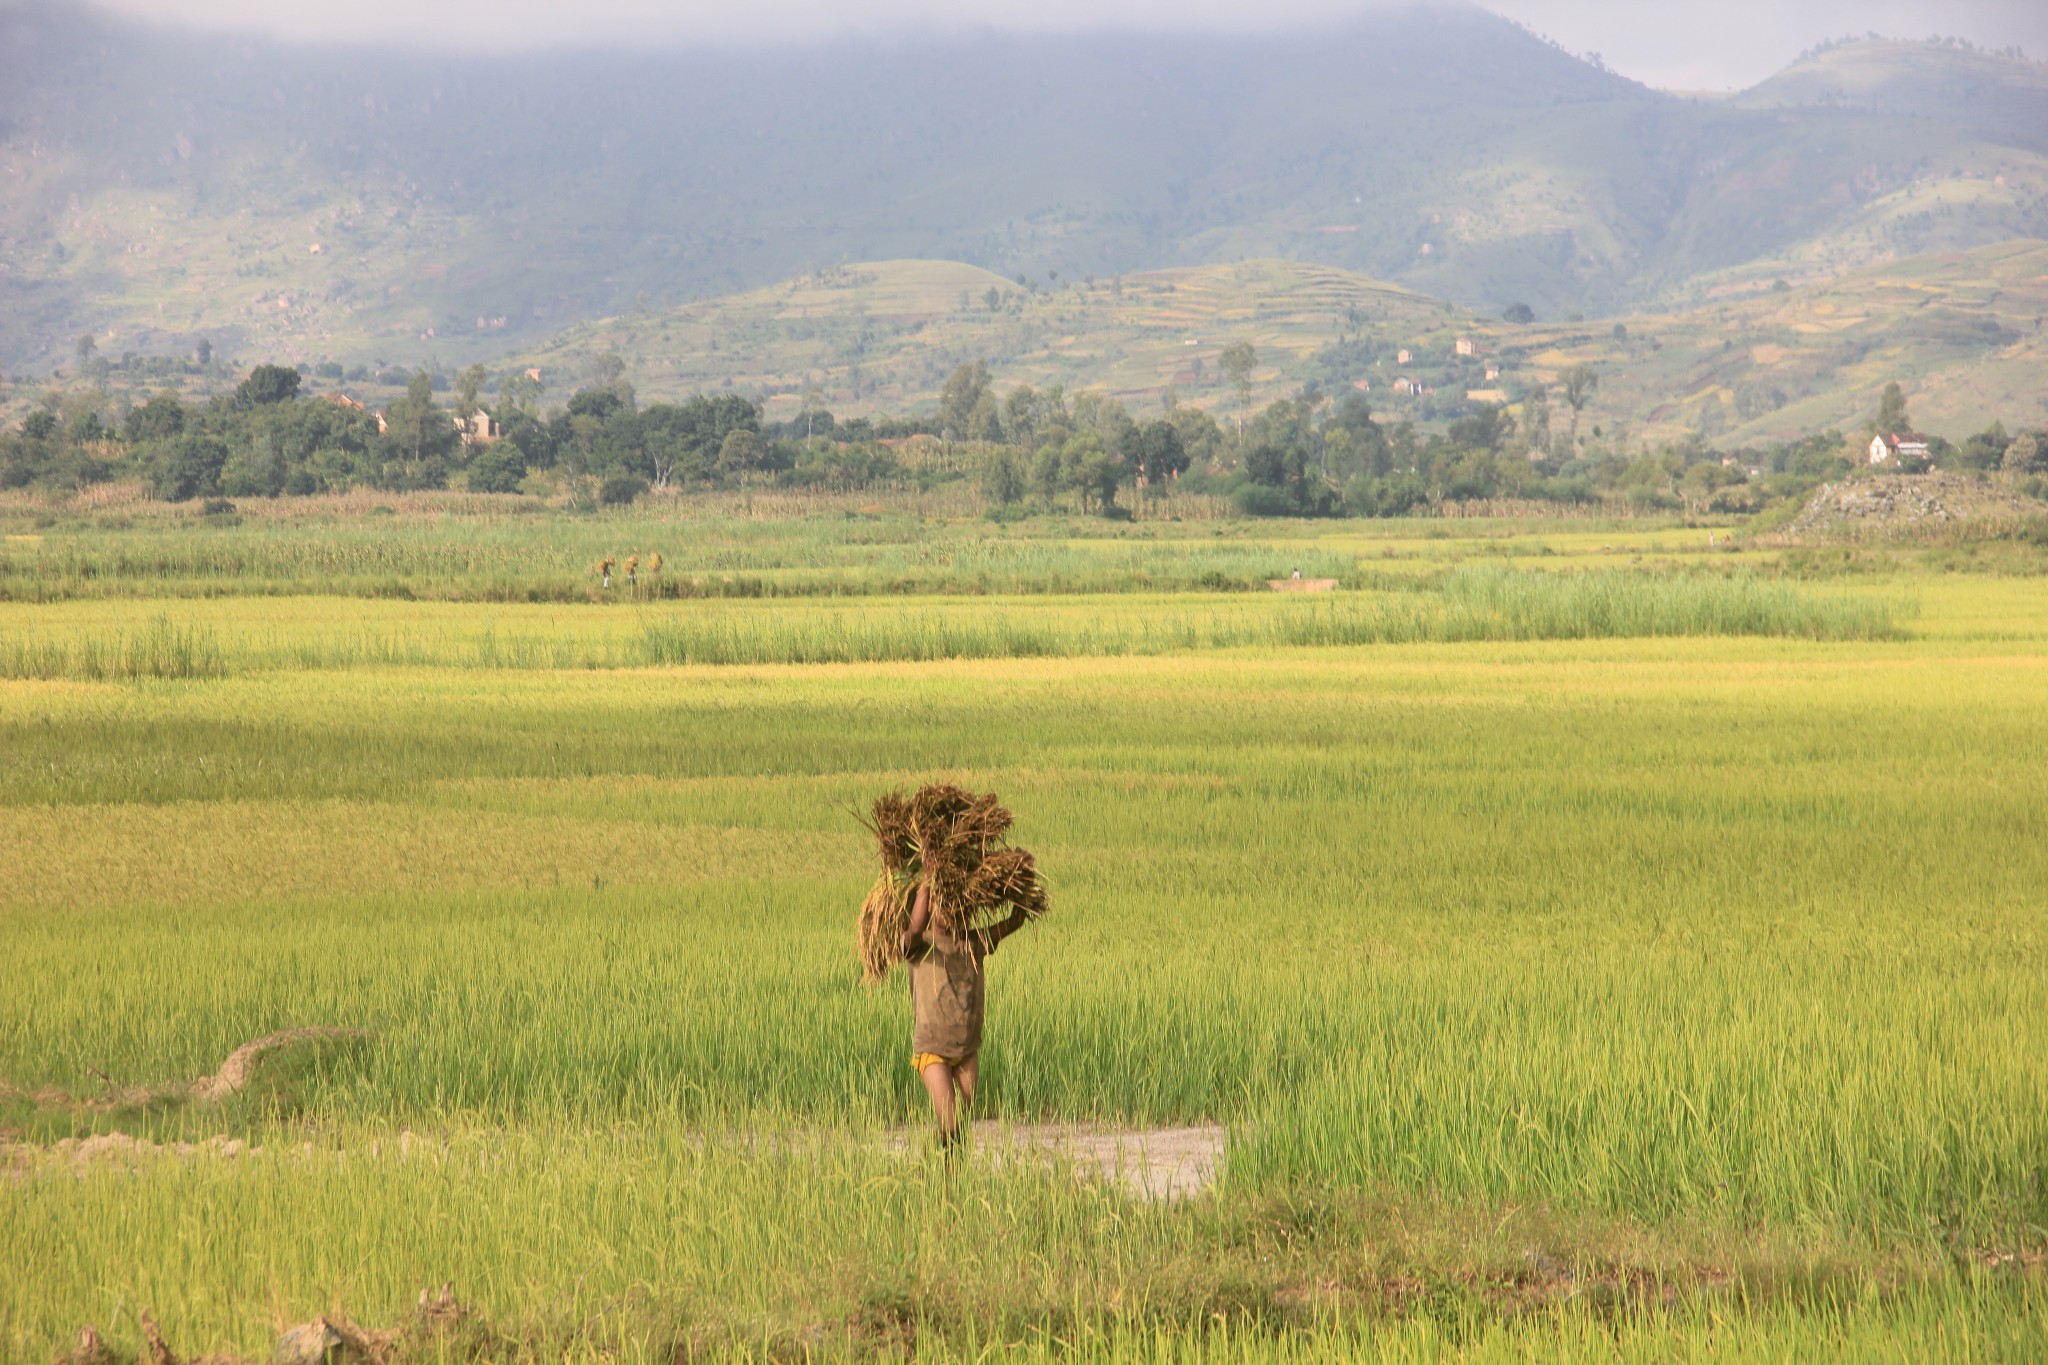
(162, 648)
(648, 1243)
(1471, 605)
(510, 560)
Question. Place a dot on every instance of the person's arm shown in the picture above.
(920, 919)
(1017, 920)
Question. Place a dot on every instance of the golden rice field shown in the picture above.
(1585, 959)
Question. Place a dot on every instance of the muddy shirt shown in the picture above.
(946, 980)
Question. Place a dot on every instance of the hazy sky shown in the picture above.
(1683, 44)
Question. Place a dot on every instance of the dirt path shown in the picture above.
(1163, 1164)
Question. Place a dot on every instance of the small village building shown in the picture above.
(1891, 447)
(479, 429)
(1486, 395)
(1402, 357)
(1467, 346)
(1406, 387)
(342, 400)
(1492, 373)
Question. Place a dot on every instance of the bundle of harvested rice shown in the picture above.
(953, 842)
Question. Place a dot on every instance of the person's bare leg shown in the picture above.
(938, 1083)
(967, 1075)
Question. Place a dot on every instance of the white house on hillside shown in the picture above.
(1892, 446)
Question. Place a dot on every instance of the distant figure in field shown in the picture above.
(606, 569)
(1297, 575)
(947, 996)
(632, 569)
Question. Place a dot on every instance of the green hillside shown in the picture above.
(1961, 332)
(351, 205)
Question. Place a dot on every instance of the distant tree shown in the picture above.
(1891, 409)
(519, 391)
(810, 405)
(1002, 479)
(1521, 314)
(40, 425)
(86, 428)
(2027, 454)
(1986, 449)
(741, 453)
(1200, 437)
(599, 403)
(1092, 471)
(189, 467)
(1048, 473)
(1579, 383)
(1535, 428)
(963, 392)
(1487, 427)
(420, 433)
(608, 372)
(88, 349)
(468, 385)
(255, 468)
(681, 442)
(1159, 453)
(267, 384)
(985, 422)
(497, 469)
(203, 353)
(1021, 415)
(1238, 361)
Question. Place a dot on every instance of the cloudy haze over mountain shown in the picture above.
(1681, 45)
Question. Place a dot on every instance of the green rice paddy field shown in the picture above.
(1594, 946)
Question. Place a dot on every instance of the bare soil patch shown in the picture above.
(1158, 1164)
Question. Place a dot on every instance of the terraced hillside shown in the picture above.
(1963, 334)
(882, 336)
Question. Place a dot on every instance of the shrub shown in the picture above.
(621, 489)
(188, 467)
(1257, 500)
(500, 467)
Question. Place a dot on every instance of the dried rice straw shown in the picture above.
(953, 842)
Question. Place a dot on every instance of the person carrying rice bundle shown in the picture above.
(951, 890)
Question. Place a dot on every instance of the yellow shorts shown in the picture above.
(920, 1060)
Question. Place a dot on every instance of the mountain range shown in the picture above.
(159, 186)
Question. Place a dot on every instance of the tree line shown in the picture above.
(1312, 454)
